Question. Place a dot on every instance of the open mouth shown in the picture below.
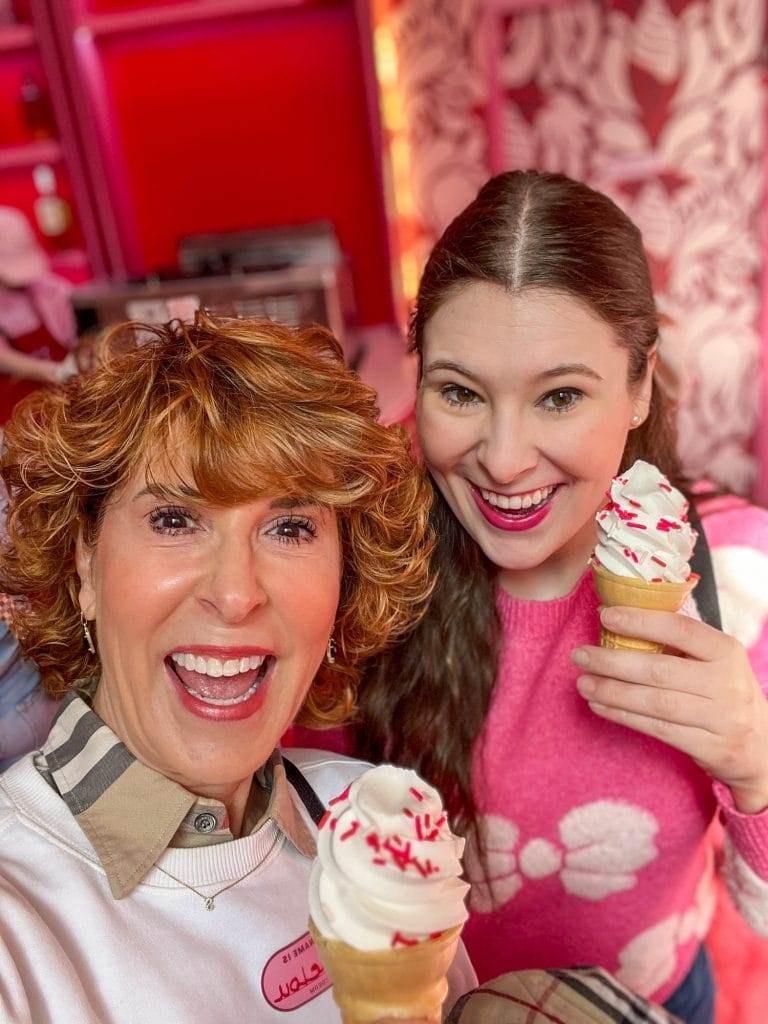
(519, 504)
(218, 682)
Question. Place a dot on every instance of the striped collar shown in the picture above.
(130, 813)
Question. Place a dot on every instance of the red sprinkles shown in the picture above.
(341, 797)
(353, 828)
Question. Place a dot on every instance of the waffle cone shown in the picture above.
(632, 592)
(409, 981)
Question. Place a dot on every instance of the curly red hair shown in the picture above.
(259, 408)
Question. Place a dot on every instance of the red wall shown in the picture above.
(247, 122)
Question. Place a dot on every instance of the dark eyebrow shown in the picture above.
(158, 491)
(565, 369)
(556, 371)
(445, 364)
(165, 493)
(291, 503)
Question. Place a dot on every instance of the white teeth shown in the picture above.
(216, 667)
(516, 502)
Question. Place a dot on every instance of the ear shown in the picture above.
(642, 400)
(84, 565)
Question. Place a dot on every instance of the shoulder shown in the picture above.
(328, 774)
(10, 812)
(737, 534)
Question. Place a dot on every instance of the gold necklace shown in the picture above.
(209, 900)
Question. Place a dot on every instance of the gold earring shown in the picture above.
(87, 634)
(330, 654)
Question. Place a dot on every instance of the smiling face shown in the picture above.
(524, 409)
(211, 623)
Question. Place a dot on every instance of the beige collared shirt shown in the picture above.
(130, 813)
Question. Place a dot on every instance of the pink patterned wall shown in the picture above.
(660, 103)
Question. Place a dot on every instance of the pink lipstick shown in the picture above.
(513, 522)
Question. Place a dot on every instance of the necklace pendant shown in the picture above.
(209, 905)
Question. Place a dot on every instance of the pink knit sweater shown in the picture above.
(600, 840)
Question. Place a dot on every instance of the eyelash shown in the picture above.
(300, 521)
(575, 394)
(170, 511)
(450, 391)
(158, 514)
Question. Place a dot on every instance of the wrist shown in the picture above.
(750, 799)
(50, 374)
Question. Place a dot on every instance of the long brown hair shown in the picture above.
(423, 703)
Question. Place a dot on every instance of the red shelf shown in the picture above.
(16, 37)
(46, 151)
(185, 12)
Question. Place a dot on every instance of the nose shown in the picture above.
(232, 585)
(507, 449)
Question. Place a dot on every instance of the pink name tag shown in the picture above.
(294, 975)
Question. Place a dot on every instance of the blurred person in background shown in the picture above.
(37, 326)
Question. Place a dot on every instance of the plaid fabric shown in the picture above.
(579, 996)
(131, 813)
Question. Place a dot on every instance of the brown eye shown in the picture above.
(455, 394)
(294, 530)
(171, 521)
(561, 400)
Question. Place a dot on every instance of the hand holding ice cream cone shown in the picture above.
(387, 899)
(661, 672)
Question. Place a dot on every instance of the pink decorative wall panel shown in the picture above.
(660, 104)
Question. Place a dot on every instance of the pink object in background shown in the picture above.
(22, 261)
(740, 961)
(31, 296)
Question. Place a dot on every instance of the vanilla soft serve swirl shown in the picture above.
(644, 531)
(388, 866)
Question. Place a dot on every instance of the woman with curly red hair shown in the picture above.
(210, 533)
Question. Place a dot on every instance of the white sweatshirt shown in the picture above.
(72, 954)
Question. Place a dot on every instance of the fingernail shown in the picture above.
(586, 686)
(611, 617)
(580, 656)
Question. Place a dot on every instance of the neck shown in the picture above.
(558, 575)
(234, 796)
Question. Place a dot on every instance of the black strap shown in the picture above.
(705, 593)
(308, 796)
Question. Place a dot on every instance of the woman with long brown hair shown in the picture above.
(587, 778)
